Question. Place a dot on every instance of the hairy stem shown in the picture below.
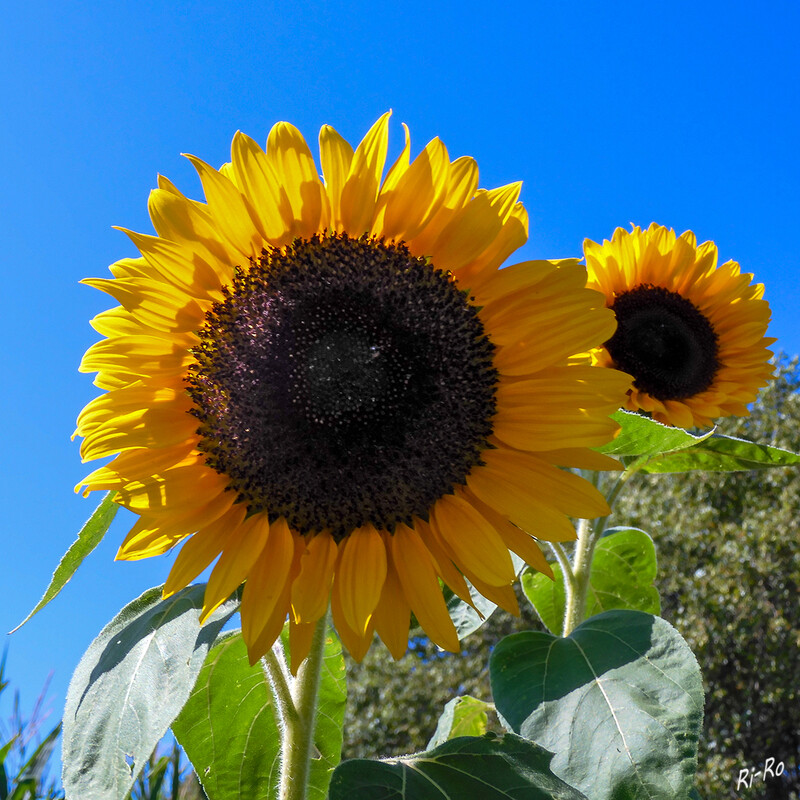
(297, 705)
(576, 584)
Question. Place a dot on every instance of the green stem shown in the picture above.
(563, 561)
(577, 588)
(576, 585)
(296, 700)
(278, 676)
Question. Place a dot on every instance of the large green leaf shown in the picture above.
(229, 729)
(642, 436)
(484, 768)
(619, 701)
(462, 716)
(228, 726)
(89, 536)
(723, 454)
(622, 573)
(129, 686)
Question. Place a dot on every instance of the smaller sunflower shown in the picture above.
(689, 332)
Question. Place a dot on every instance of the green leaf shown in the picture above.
(619, 701)
(721, 453)
(229, 729)
(546, 596)
(622, 574)
(228, 726)
(642, 436)
(34, 767)
(488, 767)
(462, 716)
(89, 536)
(130, 685)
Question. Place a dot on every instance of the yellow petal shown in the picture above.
(255, 178)
(202, 548)
(393, 615)
(236, 562)
(154, 535)
(359, 577)
(274, 624)
(312, 587)
(231, 211)
(180, 266)
(421, 587)
(475, 543)
(187, 222)
(516, 539)
(418, 195)
(293, 164)
(356, 643)
(336, 156)
(564, 490)
(266, 580)
(520, 502)
(360, 191)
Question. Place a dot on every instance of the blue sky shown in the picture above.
(679, 112)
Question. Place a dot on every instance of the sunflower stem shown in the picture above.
(277, 674)
(297, 736)
(563, 561)
(576, 584)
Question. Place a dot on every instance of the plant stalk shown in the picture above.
(576, 587)
(297, 705)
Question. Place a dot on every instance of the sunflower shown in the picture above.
(690, 333)
(332, 388)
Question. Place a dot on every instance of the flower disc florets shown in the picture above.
(665, 342)
(343, 382)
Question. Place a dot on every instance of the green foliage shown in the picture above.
(129, 686)
(393, 706)
(229, 726)
(89, 536)
(23, 774)
(720, 453)
(486, 767)
(622, 573)
(643, 437)
(729, 573)
(619, 701)
(165, 777)
(462, 716)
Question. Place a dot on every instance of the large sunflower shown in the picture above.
(332, 387)
(690, 333)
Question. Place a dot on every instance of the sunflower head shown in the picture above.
(689, 332)
(329, 389)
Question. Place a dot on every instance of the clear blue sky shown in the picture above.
(684, 113)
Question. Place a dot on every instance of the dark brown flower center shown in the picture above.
(343, 382)
(665, 342)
